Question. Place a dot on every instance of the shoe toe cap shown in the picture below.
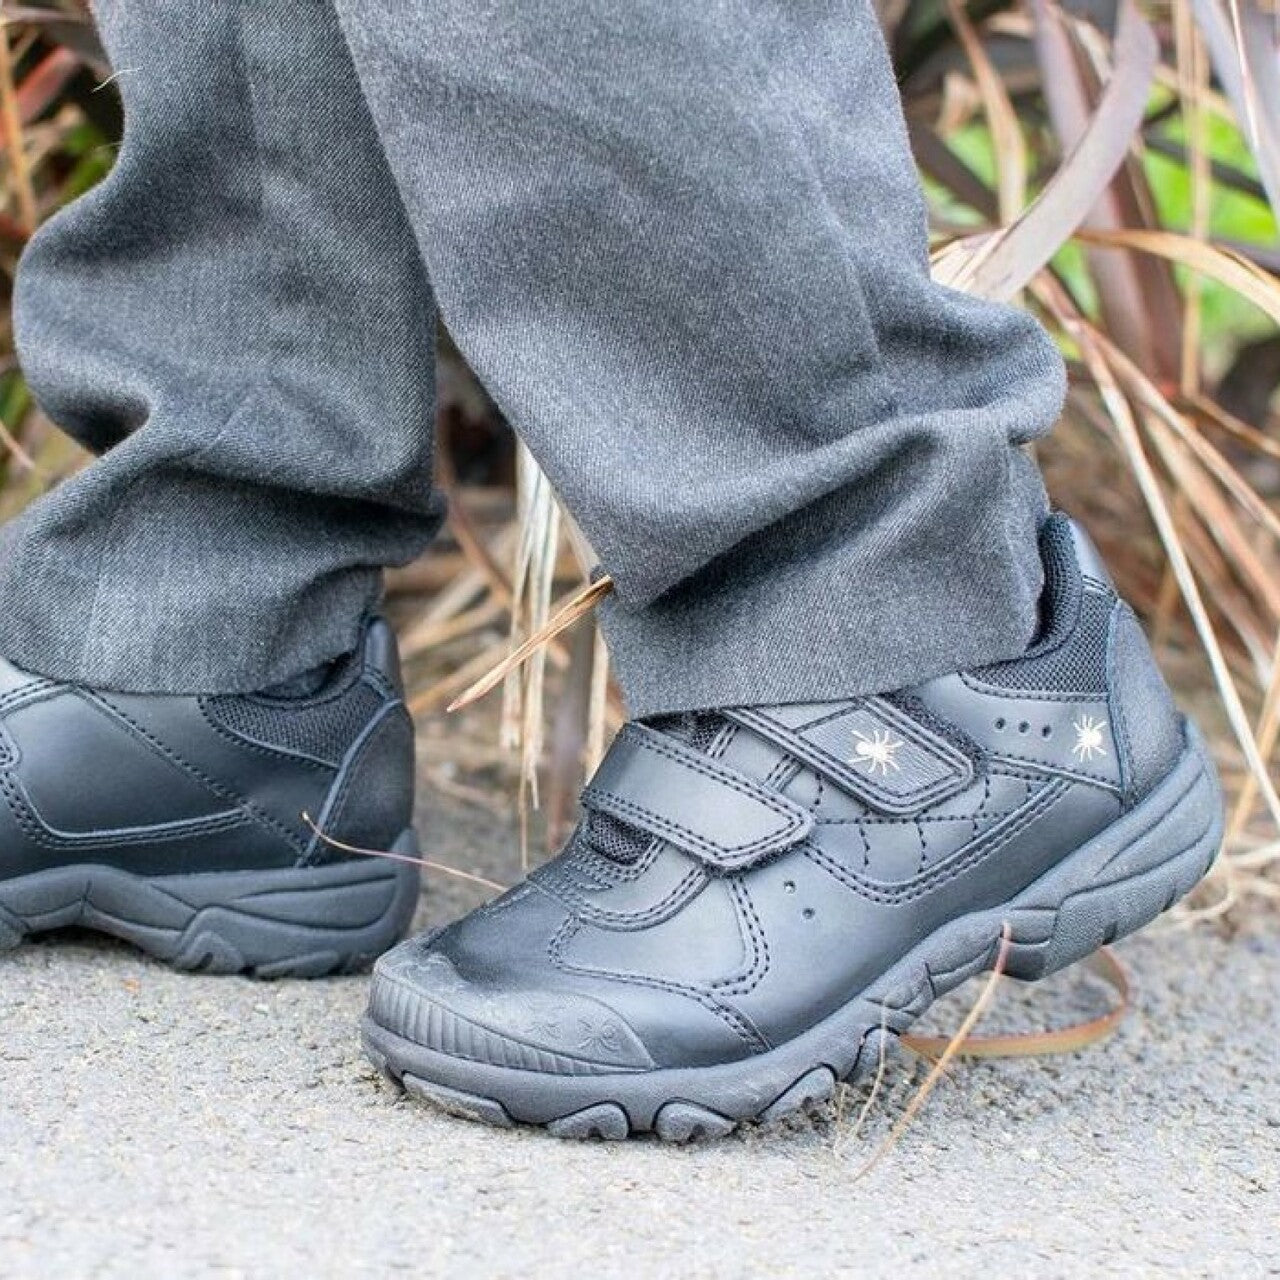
(425, 992)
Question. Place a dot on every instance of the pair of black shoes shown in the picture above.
(753, 896)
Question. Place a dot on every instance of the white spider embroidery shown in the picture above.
(876, 752)
(1089, 738)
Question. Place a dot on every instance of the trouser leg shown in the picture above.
(684, 247)
(239, 317)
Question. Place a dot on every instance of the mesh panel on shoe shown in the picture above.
(1079, 666)
(696, 729)
(704, 731)
(613, 839)
(1070, 655)
(619, 841)
(324, 729)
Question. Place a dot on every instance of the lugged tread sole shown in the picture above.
(1113, 885)
(293, 922)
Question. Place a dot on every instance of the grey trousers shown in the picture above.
(682, 245)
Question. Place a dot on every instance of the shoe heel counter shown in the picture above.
(1088, 558)
(370, 804)
(1148, 725)
(382, 654)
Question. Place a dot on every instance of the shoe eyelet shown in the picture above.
(808, 913)
(1000, 723)
(1047, 731)
(1023, 727)
(788, 886)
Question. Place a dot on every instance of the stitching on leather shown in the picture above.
(372, 678)
(629, 921)
(24, 814)
(242, 802)
(990, 843)
(1011, 769)
(782, 773)
(752, 939)
(723, 740)
(261, 748)
(986, 800)
(1013, 756)
(570, 869)
(603, 872)
(26, 693)
(729, 1016)
(1115, 707)
(867, 821)
(371, 734)
(729, 855)
(941, 750)
(622, 872)
(958, 767)
(574, 868)
(761, 959)
(928, 741)
(1055, 768)
(334, 810)
(752, 792)
(839, 712)
(1034, 695)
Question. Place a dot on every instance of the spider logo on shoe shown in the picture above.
(1089, 738)
(877, 752)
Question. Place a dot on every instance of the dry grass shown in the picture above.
(1119, 183)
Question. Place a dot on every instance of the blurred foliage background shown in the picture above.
(1113, 167)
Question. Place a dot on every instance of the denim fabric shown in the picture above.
(682, 245)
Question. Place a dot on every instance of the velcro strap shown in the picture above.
(721, 817)
(869, 748)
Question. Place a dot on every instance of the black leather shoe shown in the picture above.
(177, 822)
(753, 894)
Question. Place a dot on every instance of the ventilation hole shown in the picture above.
(1023, 727)
(1047, 731)
(807, 913)
(788, 886)
(1000, 723)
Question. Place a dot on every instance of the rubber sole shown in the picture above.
(1116, 883)
(296, 922)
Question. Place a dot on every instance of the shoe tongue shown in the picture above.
(622, 843)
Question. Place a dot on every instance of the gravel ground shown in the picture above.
(153, 1124)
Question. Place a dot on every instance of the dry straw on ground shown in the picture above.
(1115, 173)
